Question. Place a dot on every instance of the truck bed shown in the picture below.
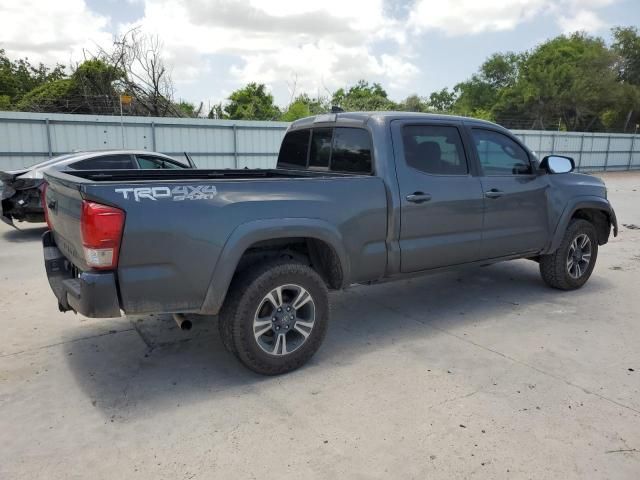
(185, 175)
(184, 229)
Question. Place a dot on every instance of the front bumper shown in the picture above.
(93, 294)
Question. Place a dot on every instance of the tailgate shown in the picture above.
(63, 205)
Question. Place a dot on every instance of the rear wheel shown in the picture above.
(571, 265)
(275, 316)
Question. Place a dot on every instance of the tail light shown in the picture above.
(43, 199)
(101, 227)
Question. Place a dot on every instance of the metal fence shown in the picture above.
(591, 151)
(28, 138)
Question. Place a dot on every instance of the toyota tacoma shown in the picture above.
(355, 198)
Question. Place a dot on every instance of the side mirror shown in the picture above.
(557, 164)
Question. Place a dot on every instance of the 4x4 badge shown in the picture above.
(179, 193)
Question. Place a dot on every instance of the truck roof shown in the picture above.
(361, 118)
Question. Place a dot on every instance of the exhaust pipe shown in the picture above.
(183, 322)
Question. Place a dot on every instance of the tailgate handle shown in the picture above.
(418, 197)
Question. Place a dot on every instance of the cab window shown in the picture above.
(339, 149)
(294, 150)
(499, 154)
(320, 152)
(351, 150)
(434, 149)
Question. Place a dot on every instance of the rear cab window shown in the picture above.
(294, 150)
(336, 149)
(320, 152)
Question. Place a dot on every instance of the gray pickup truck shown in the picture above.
(355, 198)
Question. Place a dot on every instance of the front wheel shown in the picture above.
(571, 265)
(275, 316)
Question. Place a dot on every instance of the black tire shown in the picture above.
(246, 295)
(554, 267)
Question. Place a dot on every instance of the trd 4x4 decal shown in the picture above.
(179, 193)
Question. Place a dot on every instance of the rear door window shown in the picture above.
(105, 162)
(294, 149)
(351, 150)
(434, 149)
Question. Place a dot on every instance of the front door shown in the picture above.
(441, 201)
(515, 219)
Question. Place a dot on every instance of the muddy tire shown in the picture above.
(571, 265)
(275, 316)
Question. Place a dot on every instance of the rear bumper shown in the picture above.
(93, 294)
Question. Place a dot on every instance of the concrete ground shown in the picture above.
(480, 374)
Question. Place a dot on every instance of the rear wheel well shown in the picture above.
(599, 219)
(316, 253)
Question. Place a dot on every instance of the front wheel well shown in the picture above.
(316, 253)
(599, 219)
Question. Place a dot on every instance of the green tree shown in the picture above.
(501, 70)
(570, 79)
(474, 95)
(251, 103)
(19, 77)
(363, 97)
(92, 88)
(188, 109)
(441, 101)
(413, 103)
(626, 46)
(479, 96)
(216, 112)
(55, 96)
(304, 106)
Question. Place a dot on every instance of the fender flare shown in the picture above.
(247, 234)
(584, 202)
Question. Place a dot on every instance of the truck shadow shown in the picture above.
(154, 366)
(21, 235)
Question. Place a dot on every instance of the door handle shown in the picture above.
(493, 193)
(418, 197)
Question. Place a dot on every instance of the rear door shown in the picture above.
(515, 219)
(440, 196)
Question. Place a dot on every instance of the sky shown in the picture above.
(216, 46)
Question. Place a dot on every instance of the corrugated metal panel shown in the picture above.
(219, 161)
(591, 151)
(27, 138)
